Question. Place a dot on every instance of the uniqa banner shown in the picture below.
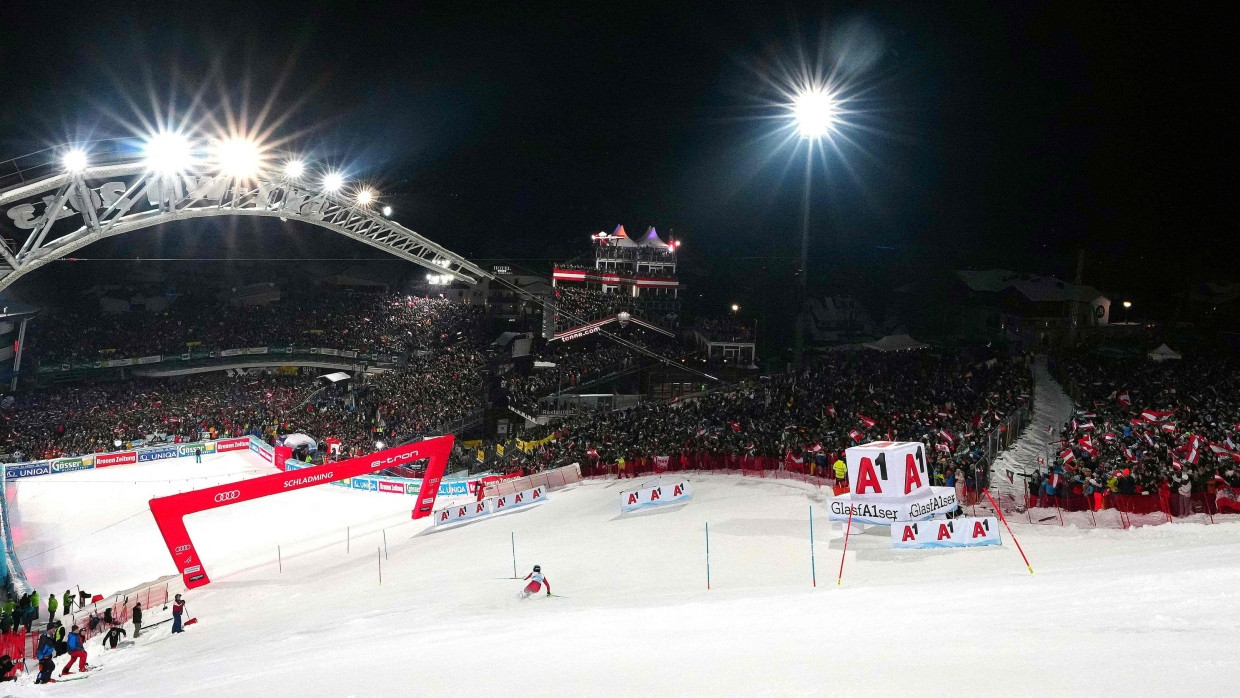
(170, 511)
(946, 533)
(666, 493)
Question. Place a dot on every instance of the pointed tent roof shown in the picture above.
(619, 238)
(1164, 352)
(652, 238)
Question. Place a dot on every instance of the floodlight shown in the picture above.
(365, 196)
(238, 157)
(74, 161)
(387, 210)
(294, 169)
(332, 182)
(814, 111)
(168, 152)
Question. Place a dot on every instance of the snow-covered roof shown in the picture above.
(895, 342)
(1037, 289)
(1163, 353)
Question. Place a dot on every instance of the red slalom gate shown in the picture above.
(170, 511)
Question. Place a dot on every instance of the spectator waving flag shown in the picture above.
(856, 435)
(947, 435)
(1124, 399)
(831, 410)
(1168, 427)
(1155, 415)
(736, 426)
(1067, 455)
(866, 421)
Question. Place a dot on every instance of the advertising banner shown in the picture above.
(255, 350)
(391, 487)
(946, 533)
(68, 465)
(161, 453)
(27, 470)
(239, 444)
(524, 498)
(262, 450)
(463, 512)
(230, 352)
(190, 448)
(454, 489)
(170, 511)
(103, 460)
(667, 493)
(150, 359)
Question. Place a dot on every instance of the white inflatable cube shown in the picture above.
(887, 470)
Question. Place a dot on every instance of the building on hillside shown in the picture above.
(622, 280)
(727, 342)
(1026, 308)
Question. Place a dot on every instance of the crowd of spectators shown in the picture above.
(949, 403)
(371, 323)
(577, 306)
(1144, 427)
(439, 381)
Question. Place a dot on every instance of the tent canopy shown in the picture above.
(1163, 353)
(895, 342)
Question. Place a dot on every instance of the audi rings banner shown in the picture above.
(170, 511)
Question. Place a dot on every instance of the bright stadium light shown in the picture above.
(294, 169)
(74, 161)
(814, 111)
(365, 196)
(168, 152)
(238, 157)
(387, 210)
(332, 182)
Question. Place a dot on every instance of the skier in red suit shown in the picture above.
(537, 582)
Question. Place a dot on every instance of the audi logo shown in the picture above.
(228, 496)
(182, 548)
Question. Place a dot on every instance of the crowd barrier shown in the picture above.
(551, 479)
(53, 366)
(1110, 509)
(138, 454)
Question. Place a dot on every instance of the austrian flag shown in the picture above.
(866, 421)
(1124, 399)
(947, 435)
(856, 435)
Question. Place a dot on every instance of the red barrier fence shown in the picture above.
(1110, 509)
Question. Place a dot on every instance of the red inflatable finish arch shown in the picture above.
(171, 511)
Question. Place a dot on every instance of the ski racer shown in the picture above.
(537, 582)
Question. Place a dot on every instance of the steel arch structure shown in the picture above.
(51, 217)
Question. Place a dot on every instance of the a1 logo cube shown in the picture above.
(887, 469)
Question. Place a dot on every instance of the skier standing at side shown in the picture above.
(178, 608)
(537, 582)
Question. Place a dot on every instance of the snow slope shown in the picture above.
(1143, 612)
(1051, 408)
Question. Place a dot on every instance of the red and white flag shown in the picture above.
(831, 410)
(866, 421)
(1168, 427)
(1148, 439)
(593, 452)
(1067, 455)
(1155, 415)
(856, 435)
(1087, 426)
(1109, 436)
(1176, 464)
(1124, 399)
(736, 426)
(948, 436)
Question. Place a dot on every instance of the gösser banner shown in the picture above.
(659, 494)
(170, 512)
(946, 533)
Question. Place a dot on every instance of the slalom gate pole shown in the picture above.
(513, 537)
(813, 567)
(707, 556)
(1009, 529)
(847, 529)
(385, 543)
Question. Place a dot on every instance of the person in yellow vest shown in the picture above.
(841, 470)
(620, 464)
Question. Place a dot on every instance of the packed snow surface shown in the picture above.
(1150, 611)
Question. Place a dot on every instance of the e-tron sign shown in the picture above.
(170, 511)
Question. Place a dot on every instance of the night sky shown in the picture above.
(984, 134)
